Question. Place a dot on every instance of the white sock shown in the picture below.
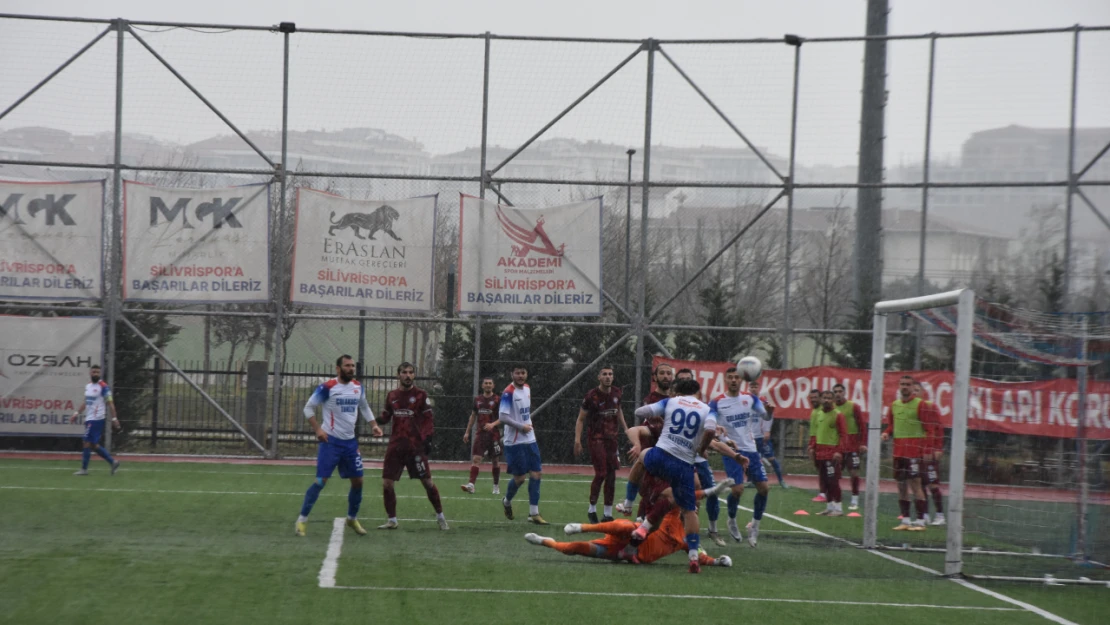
(693, 555)
(439, 515)
(533, 510)
(470, 484)
(627, 503)
(646, 525)
(855, 500)
(755, 524)
(608, 511)
(713, 526)
(302, 519)
(593, 508)
(392, 519)
(352, 518)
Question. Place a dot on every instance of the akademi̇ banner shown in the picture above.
(529, 261)
(50, 240)
(1041, 408)
(196, 245)
(44, 367)
(364, 254)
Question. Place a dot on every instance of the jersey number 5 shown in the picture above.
(685, 423)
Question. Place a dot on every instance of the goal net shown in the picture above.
(1014, 461)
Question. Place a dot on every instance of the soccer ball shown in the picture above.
(749, 367)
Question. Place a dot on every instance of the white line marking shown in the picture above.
(664, 596)
(331, 560)
(966, 584)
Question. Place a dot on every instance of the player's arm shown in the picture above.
(582, 414)
(651, 410)
(842, 431)
(707, 437)
(469, 424)
(106, 393)
(505, 414)
(620, 419)
(319, 396)
(862, 421)
(367, 414)
(929, 415)
(729, 452)
(888, 425)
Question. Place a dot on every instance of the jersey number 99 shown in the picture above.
(686, 424)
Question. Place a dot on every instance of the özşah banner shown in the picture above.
(44, 367)
(375, 255)
(196, 245)
(1040, 408)
(50, 240)
(529, 261)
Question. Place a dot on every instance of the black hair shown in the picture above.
(687, 387)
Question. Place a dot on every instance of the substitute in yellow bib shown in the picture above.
(913, 423)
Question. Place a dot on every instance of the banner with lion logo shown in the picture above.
(366, 254)
(529, 261)
(196, 245)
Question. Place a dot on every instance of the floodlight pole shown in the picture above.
(919, 334)
(628, 229)
(115, 271)
(477, 340)
(1081, 446)
(640, 318)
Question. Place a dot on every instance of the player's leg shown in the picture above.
(495, 459)
(901, 477)
(417, 465)
(518, 467)
(475, 464)
(350, 467)
(932, 481)
(712, 503)
(621, 528)
(768, 452)
(632, 488)
(392, 467)
(918, 493)
(613, 463)
(758, 476)
(735, 472)
(90, 441)
(327, 458)
(535, 475)
(835, 493)
(598, 461)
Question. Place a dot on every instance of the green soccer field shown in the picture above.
(212, 543)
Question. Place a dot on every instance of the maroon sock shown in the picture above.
(658, 511)
(390, 497)
(904, 507)
(433, 496)
(821, 483)
(610, 487)
(473, 473)
(921, 507)
(938, 501)
(855, 485)
(834, 491)
(595, 487)
(496, 474)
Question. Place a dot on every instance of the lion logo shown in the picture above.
(381, 220)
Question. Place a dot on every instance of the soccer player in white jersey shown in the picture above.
(522, 453)
(736, 415)
(342, 400)
(705, 477)
(688, 429)
(98, 401)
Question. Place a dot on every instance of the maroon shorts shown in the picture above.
(830, 469)
(851, 461)
(604, 455)
(485, 446)
(907, 469)
(397, 460)
(931, 474)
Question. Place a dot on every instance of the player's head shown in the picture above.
(684, 374)
(732, 381)
(814, 398)
(605, 377)
(345, 368)
(94, 373)
(839, 393)
(918, 390)
(754, 386)
(520, 375)
(487, 385)
(406, 374)
(663, 376)
(905, 387)
(687, 386)
(827, 398)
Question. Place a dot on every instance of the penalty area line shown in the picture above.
(331, 560)
(633, 595)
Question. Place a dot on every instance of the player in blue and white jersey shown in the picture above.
(736, 414)
(522, 452)
(98, 402)
(705, 477)
(688, 429)
(763, 438)
(342, 400)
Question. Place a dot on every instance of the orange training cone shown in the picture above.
(854, 514)
(801, 513)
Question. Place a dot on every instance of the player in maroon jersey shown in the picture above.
(487, 438)
(410, 411)
(930, 477)
(602, 410)
(663, 378)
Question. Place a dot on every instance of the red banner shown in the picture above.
(1042, 408)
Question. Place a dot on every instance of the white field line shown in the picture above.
(331, 560)
(966, 584)
(633, 595)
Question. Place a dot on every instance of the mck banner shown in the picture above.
(196, 245)
(50, 240)
(44, 367)
(375, 255)
(1041, 408)
(527, 261)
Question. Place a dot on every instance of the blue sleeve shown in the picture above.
(319, 396)
(659, 408)
(713, 408)
(105, 391)
(506, 404)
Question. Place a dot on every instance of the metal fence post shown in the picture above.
(787, 321)
(155, 399)
(638, 320)
(115, 270)
(286, 29)
(919, 334)
(477, 373)
(1068, 259)
(1082, 528)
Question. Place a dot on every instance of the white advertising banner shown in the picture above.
(196, 245)
(375, 255)
(529, 261)
(50, 240)
(44, 367)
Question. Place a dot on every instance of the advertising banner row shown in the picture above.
(1036, 408)
(189, 246)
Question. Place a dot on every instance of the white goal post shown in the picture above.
(964, 300)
